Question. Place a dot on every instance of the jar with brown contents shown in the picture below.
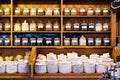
(73, 10)
(90, 11)
(98, 11)
(83, 11)
(66, 11)
(106, 26)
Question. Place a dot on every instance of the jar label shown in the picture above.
(91, 26)
(17, 41)
(40, 10)
(105, 11)
(7, 41)
(105, 26)
(106, 41)
(90, 11)
(82, 10)
(17, 11)
(67, 10)
(73, 10)
(98, 10)
(76, 26)
(67, 26)
(56, 27)
(56, 41)
(48, 41)
(84, 27)
(99, 28)
(26, 11)
(48, 26)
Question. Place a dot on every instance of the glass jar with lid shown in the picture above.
(91, 26)
(66, 10)
(1, 40)
(56, 12)
(7, 10)
(98, 41)
(48, 12)
(84, 26)
(1, 10)
(68, 26)
(90, 11)
(32, 41)
(17, 26)
(25, 41)
(40, 41)
(98, 26)
(40, 26)
(76, 26)
(105, 11)
(74, 41)
(33, 26)
(56, 41)
(1, 26)
(106, 41)
(106, 26)
(40, 11)
(7, 41)
(48, 26)
(66, 41)
(17, 41)
(98, 11)
(33, 11)
(56, 26)
(26, 11)
(82, 41)
(83, 11)
(25, 26)
(7, 26)
(17, 11)
(74, 10)
(90, 41)
(48, 41)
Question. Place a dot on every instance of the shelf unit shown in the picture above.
(61, 19)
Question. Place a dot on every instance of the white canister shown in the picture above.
(52, 66)
(2, 67)
(89, 67)
(23, 66)
(40, 68)
(101, 68)
(65, 67)
(77, 68)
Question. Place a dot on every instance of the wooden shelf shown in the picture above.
(87, 32)
(71, 75)
(36, 31)
(4, 16)
(16, 47)
(5, 31)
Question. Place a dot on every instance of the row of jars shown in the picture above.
(5, 11)
(89, 11)
(5, 26)
(5, 40)
(25, 41)
(37, 11)
(83, 41)
(25, 26)
(84, 26)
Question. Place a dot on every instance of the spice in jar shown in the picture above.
(33, 26)
(1, 41)
(17, 11)
(83, 11)
(48, 26)
(66, 41)
(1, 10)
(98, 26)
(106, 41)
(17, 26)
(48, 12)
(56, 41)
(98, 41)
(74, 41)
(40, 26)
(82, 41)
(1, 26)
(40, 11)
(56, 12)
(48, 41)
(105, 11)
(7, 41)
(25, 41)
(84, 26)
(32, 41)
(98, 11)
(66, 11)
(39, 41)
(26, 11)
(73, 10)
(106, 26)
(7, 10)
(33, 12)
(68, 26)
(25, 26)
(90, 11)
(76, 26)
(7, 26)
(17, 41)
(90, 41)
(91, 26)
(56, 26)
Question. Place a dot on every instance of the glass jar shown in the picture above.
(98, 41)
(1, 26)
(84, 26)
(17, 41)
(56, 26)
(17, 11)
(76, 26)
(33, 26)
(1, 40)
(1, 10)
(98, 11)
(7, 41)
(32, 41)
(68, 26)
(48, 12)
(83, 11)
(56, 12)
(90, 41)
(66, 41)
(48, 26)
(91, 26)
(82, 41)
(90, 11)
(40, 26)
(56, 41)
(7, 10)
(74, 41)
(98, 26)
(106, 41)
(48, 41)
(25, 26)
(17, 26)
(7, 26)
(105, 11)
(25, 41)
(73, 10)
(66, 11)
(39, 41)
(40, 11)
(26, 11)
(106, 26)
(33, 12)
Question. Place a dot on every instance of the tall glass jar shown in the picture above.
(91, 26)
(17, 26)
(76, 26)
(84, 26)
(73, 10)
(48, 26)
(68, 26)
(66, 10)
(17, 11)
(1, 10)
(40, 26)
(56, 26)
(82, 41)
(7, 10)
(25, 26)
(98, 26)
(7, 26)
(17, 41)
(83, 11)
(33, 26)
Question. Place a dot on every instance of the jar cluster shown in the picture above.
(5, 40)
(5, 11)
(6, 26)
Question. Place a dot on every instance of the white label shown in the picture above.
(76, 26)
(73, 10)
(48, 26)
(39, 41)
(26, 11)
(40, 10)
(25, 40)
(67, 10)
(66, 41)
(40, 26)
(68, 26)
(33, 40)
(7, 41)
(98, 28)
(17, 11)
(106, 41)
(56, 26)
(17, 41)
(105, 27)
(98, 10)
(82, 10)
(33, 10)
(90, 41)
(84, 27)
(48, 42)
(90, 11)
(1, 41)
(74, 40)
(105, 11)
(91, 26)
(6, 10)
(57, 41)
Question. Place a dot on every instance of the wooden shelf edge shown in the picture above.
(87, 32)
(36, 31)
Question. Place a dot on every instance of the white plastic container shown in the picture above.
(101, 68)
(2, 67)
(77, 67)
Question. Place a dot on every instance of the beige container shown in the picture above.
(7, 26)
(17, 26)
(33, 26)
(48, 12)
(48, 26)
(17, 11)
(25, 26)
(73, 10)
(33, 12)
